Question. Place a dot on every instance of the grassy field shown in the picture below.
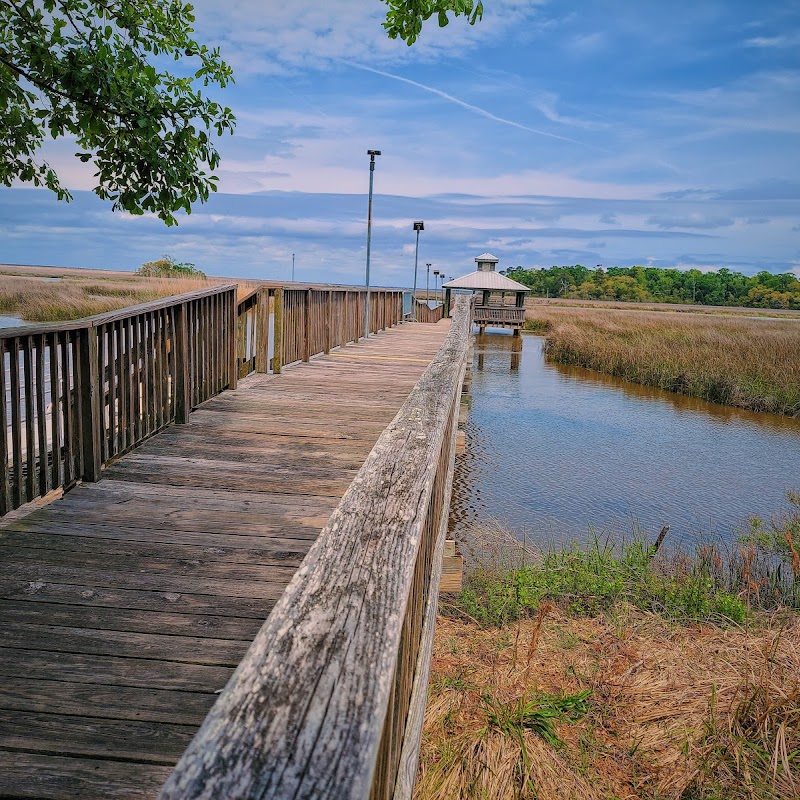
(738, 360)
(621, 672)
(52, 295)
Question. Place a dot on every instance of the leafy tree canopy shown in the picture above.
(95, 70)
(92, 70)
(168, 267)
(653, 284)
(405, 17)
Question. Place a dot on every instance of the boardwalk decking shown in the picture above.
(127, 604)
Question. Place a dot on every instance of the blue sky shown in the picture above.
(611, 133)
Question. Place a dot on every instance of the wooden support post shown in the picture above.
(90, 405)
(328, 321)
(277, 358)
(307, 327)
(183, 402)
(233, 322)
(262, 330)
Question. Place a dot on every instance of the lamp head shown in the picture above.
(419, 226)
(373, 152)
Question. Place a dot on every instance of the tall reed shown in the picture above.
(751, 363)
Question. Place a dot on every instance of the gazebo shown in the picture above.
(486, 280)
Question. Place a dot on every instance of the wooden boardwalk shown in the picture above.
(126, 605)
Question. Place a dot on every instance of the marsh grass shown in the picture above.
(614, 671)
(739, 361)
(74, 297)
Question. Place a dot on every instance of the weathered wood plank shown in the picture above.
(144, 591)
(29, 775)
(61, 734)
(303, 714)
(109, 702)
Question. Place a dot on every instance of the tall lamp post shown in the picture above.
(428, 282)
(436, 282)
(418, 226)
(371, 154)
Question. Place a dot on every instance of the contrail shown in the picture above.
(475, 109)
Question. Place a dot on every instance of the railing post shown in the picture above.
(90, 405)
(183, 403)
(328, 321)
(232, 343)
(277, 358)
(262, 329)
(307, 327)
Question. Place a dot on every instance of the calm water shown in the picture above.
(553, 450)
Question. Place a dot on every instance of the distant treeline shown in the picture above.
(653, 284)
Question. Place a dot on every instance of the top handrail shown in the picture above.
(113, 316)
(305, 711)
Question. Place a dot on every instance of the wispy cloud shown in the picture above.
(475, 109)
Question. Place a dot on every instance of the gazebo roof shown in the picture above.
(493, 281)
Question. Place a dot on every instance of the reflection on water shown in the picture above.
(553, 449)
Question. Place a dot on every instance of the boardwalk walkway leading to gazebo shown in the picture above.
(126, 605)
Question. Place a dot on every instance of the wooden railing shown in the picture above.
(307, 322)
(427, 314)
(76, 395)
(329, 699)
(499, 314)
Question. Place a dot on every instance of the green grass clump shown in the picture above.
(590, 581)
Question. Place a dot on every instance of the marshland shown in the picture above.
(628, 513)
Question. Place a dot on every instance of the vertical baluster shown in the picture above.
(68, 409)
(137, 378)
(30, 420)
(16, 424)
(129, 353)
(169, 364)
(102, 373)
(165, 376)
(87, 387)
(122, 389)
(5, 475)
(159, 370)
(41, 418)
(112, 389)
(55, 411)
(192, 345)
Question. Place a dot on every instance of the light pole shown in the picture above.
(371, 154)
(428, 282)
(292, 267)
(418, 226)
(436, 282)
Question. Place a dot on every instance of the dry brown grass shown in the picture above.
(82, 294)
(674, 711)
(739, 361)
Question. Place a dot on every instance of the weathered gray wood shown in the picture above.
(26, 775)
(183, 403)
(90, 405)
(409, 757)
(304, 712)
(277, 358)
(262, 331)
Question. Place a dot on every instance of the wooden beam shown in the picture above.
(305, 712)
(262, 330)
(90, 405)
(277, 358)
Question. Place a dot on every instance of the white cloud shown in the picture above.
(270, 37)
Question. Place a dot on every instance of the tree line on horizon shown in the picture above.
(721, 287)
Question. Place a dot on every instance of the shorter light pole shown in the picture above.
(418, 226)
(428, 283)
(436, 282)
(371, 154)
(292, 267)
